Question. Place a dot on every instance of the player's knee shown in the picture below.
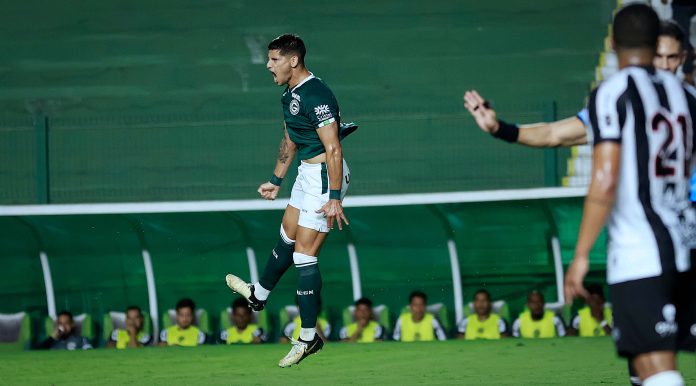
(286, 238)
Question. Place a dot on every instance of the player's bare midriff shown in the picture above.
(316, 159)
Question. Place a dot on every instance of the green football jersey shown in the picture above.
(307, 107)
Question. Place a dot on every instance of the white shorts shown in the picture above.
(311, 191)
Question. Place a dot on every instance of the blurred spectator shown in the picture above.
(293, 327)
(482, 324)
(64, 336)
(133, 335)
(242, 330)
(364, 329)
(682, 12)
(418, 325)
(536, 322)
(594, 319)
(184, 333)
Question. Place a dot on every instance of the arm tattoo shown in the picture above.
(283, 151)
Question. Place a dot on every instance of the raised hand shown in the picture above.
(481, 111)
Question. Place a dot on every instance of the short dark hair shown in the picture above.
(289, 44)
(134, 308)
(636, 26)
(418, 294)
(186, 302)
(536, 292)
(595, 289)
(239, 303)
(483, 291)
(66, 313)
(671, 29)
(364, 301)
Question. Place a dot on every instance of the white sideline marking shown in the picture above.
(259, 204)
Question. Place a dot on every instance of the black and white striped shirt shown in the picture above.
(650, 114)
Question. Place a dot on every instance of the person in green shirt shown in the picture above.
(242, 330)
(311, 132)
(365, 329)
(133, 335)
(483, 323)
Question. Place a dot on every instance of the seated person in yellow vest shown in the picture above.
(184, 333)
(293, 327)
(482, 324)
(242, 330)
(536, 322)
(594, 319)
(64, 336)
(418, 325)
(133, 335)
(364, 329)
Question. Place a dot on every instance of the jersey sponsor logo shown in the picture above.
(304, 293)
(323, 112)
(669, 326)
(294, 107)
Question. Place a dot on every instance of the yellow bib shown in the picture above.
(122, 338)
(589, 326)
(179, 337)
(368, 333)
(321, 324)
(488, 329)
(244, 336)
(420, 331)
(530, 328)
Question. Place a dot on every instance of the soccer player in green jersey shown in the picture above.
(312, 122)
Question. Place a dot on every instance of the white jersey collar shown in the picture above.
(305, 80)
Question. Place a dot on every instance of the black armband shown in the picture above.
(275, 180)
(335, 194)
(507, 132)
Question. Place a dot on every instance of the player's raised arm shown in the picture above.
(333, 210)
(566, 132)
(286, 153)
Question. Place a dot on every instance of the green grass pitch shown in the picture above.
(566, 361)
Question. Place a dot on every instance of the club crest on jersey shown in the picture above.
(294, 107)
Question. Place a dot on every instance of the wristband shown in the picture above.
(507, 132)
(275, 180)
(335, 194)
(603, 324)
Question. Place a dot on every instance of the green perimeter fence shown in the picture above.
(171, 158)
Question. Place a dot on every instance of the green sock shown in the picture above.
(278, 262)
(308, 288)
